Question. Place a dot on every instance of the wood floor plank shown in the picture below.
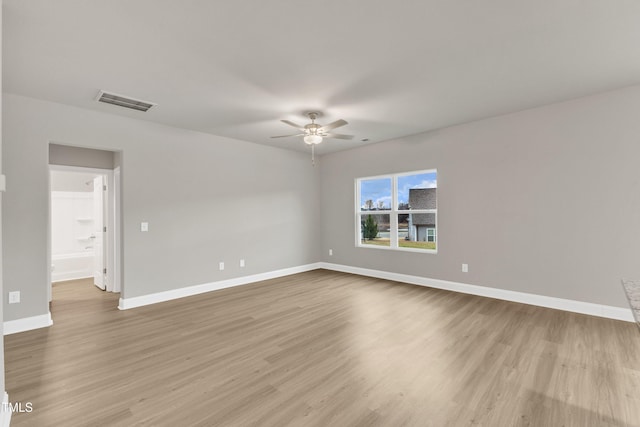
(321, 349)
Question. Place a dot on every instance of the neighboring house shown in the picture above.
(422, 226)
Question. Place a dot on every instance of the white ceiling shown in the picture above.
(236, 67)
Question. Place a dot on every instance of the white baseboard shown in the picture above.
(72, 275)
(5, 412)
(127, 303)
(27, 324)
(599, 310)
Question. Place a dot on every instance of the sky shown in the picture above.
(380, 189)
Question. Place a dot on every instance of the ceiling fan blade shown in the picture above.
(287, 136)
(338, 136)
(333, 125)
(295, 125)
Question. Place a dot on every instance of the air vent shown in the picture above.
(123, 101)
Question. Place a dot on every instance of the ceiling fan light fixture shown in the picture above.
(312, 139)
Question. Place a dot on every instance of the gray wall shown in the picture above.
(1, 233)
(207, 199)
(80, 156)
(544, 201)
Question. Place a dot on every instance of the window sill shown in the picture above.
(389, 248)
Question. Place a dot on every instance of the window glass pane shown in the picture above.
(375, 229)
(417, 191)
(410, 199)
(417, 230)
(375, 194)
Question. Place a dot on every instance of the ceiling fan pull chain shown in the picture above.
(313, 154)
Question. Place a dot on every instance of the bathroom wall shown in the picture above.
(72, 223)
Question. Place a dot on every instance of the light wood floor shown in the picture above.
(323, 349)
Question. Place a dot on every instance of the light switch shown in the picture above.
(144, 226)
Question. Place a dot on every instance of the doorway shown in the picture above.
(83, 226)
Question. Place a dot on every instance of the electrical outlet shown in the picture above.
(465, 268)
(330, 252)
(14, 297)
(144, 226)
(221, 266)
(241, 263)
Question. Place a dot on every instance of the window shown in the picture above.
(398, 211)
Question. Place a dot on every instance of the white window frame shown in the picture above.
(393, 213)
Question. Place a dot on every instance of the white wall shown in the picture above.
(72, 181)
(207, 199)
(72, 225)
(544, 201)
(71, 222)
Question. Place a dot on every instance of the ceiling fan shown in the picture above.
(313, 133)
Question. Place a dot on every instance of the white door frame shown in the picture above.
(112, 221)
(115, 266)
(99, 235)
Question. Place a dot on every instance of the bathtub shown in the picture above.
(72, 266)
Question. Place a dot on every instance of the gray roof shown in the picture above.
(426, 219)
(422, 198)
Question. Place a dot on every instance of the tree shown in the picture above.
(368, 205)
(370, 228)
(380, 205)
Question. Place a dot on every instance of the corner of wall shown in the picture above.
(5, 412)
